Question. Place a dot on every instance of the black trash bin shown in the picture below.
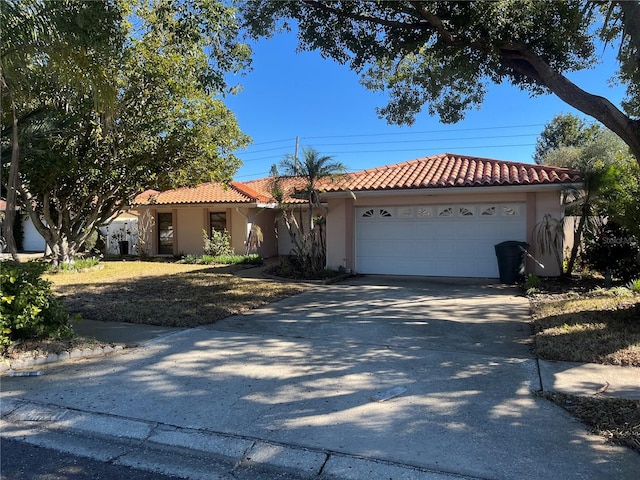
(123, 246)
(510, 256)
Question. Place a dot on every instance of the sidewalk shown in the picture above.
(585, 379)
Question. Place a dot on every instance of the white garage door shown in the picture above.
(33, 241)
(455, 240)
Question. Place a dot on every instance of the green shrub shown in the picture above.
(532, 285)
(217, 244)
(80, 264)
(613, 249)
(90, 242)
(533, 281)
(634, 285)
(622, 292)
(190, 259)
(28, 308)
(253, 259)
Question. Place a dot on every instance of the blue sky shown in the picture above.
(289, 95)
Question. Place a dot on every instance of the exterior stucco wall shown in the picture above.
(340, 233)
(188, 230)
(541, 204)
(285, 244)
(433, 199)
(266, 220)
(237, 228)
(188, 223)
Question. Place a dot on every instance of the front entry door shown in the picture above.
(165, 233)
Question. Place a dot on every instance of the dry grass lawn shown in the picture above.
(163, 293)
(593, 327)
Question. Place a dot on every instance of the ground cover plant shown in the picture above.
(252, 259)
(579, 321)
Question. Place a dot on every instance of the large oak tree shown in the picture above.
(445, 54)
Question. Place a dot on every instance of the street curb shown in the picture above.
(8, 364)
(187, 452)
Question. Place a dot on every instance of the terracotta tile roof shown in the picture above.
(440, 171)
(145, 196)
(288, 184)
(449, 170)
(210, 192)
(3, 206)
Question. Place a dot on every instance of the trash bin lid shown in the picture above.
(513, 243)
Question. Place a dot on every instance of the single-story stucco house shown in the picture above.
(434, 216)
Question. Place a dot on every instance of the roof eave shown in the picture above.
(453, 190)
(198, 204)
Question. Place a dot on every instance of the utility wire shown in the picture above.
(431, 131)
(427, 140)
(449, 130)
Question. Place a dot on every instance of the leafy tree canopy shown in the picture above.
(563, 131)
(166, 126)
(445, 54)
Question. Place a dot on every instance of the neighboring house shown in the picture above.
(32, 240)
(433, 216)
(123, 227)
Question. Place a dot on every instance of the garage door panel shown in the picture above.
(460, 244)
(444, 249)
(396, 248)
(386, 265)
(426, 231)
(374, 231)
(510, 231)
(466, 248)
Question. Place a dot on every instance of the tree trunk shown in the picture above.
(577, 238)
(62, 252)
(12, 187)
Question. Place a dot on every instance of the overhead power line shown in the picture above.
(449, 130)
(291, 141)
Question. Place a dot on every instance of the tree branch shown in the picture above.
(323, 7)
(527, 63)
(436, 23)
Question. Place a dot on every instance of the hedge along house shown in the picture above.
(433, 216)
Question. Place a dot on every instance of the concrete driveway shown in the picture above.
(301, 375)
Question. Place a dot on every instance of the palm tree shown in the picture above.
(310, 247)
(597, 175)
(314, 169)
